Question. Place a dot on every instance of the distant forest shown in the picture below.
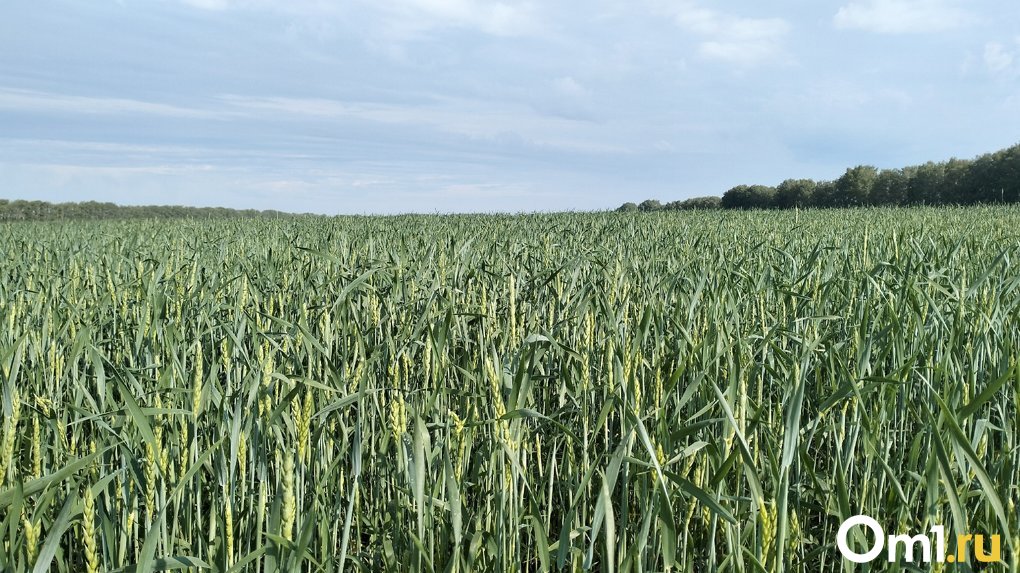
(990, 178)
(20, 210)
(987, 179)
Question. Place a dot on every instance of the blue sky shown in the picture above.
(372, 106)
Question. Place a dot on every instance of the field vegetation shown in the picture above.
(675, 391)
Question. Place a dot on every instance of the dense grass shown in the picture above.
(671, 391)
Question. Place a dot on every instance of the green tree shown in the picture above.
(749, 197)
(995, 178)
(702, 203)
(854, 187)
(649, 205)
(736, 198)
(825, 195)
(925, 186)
(954, 182)
(795, 193)
(890, 188)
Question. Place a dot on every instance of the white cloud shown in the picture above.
(473, 119)
(309, 7)
(998, 58)
(844, 96)
(209, 4)
(901, 16)
(406, 18)
(73, 170)
(30, 100)
(500, 18)
(733, 39)
(569, 87)
(567, 99)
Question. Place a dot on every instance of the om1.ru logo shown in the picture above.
(911, 544)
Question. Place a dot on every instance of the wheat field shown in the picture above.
(687, 392)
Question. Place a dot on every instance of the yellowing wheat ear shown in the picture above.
(32, 531)
(88, 532)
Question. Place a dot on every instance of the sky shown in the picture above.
(375, 106)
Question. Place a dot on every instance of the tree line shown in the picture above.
(990, 178)
(21, 210)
